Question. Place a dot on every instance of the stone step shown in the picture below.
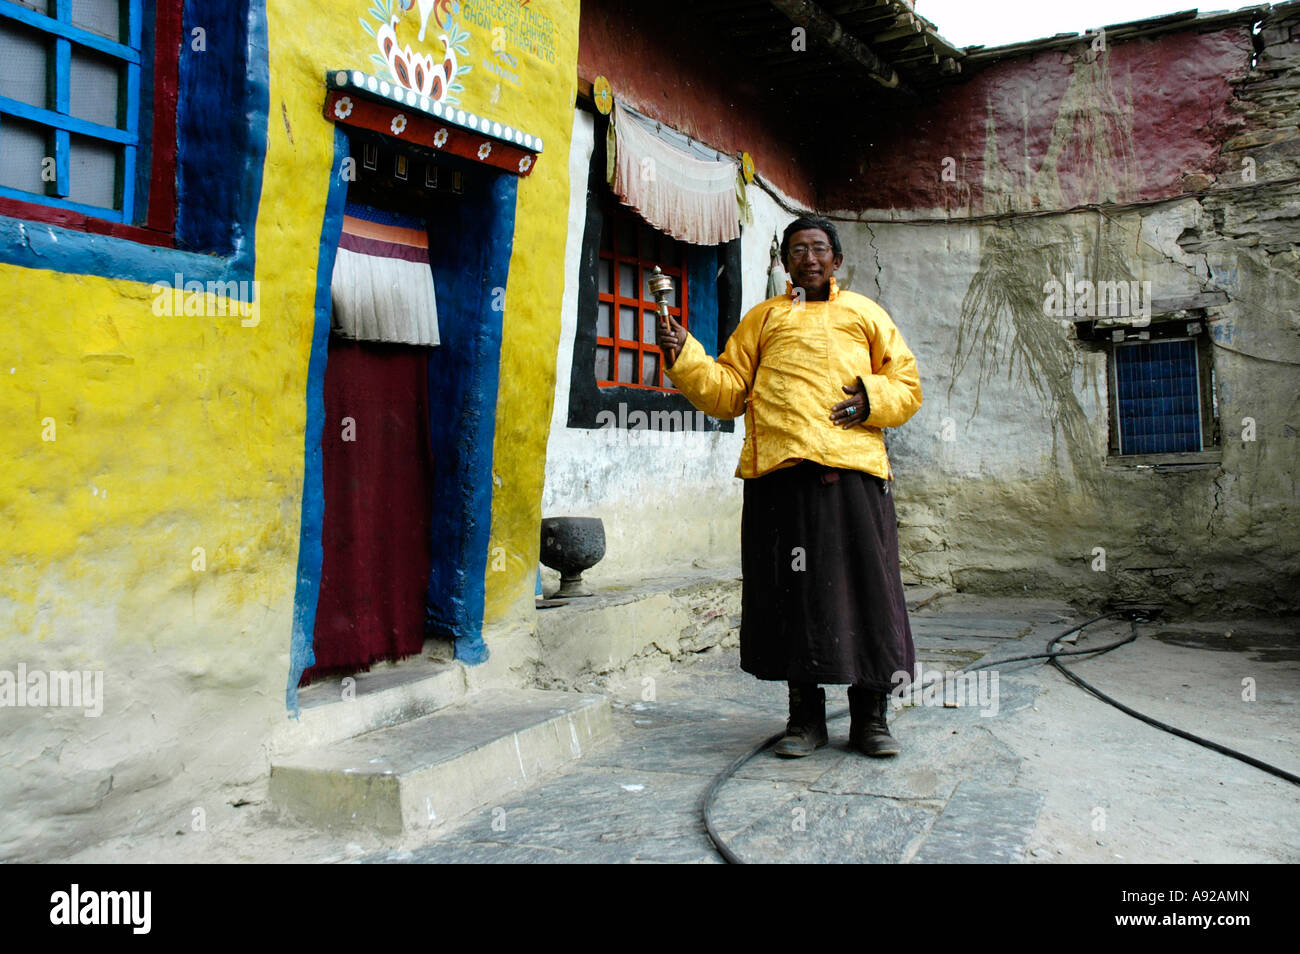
(917, 596)
(672, 615)
(676, 615)
(337, 708)
(423, 773)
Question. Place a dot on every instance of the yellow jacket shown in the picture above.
(783, 368)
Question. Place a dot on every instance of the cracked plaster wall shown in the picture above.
(1002, 477)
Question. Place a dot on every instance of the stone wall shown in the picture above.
(1004, 481)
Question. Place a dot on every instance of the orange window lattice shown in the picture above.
(626, 312)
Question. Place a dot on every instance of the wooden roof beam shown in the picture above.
(827, 29)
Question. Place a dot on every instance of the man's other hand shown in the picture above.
(855, 409)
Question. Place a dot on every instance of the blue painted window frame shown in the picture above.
(218, 191)
(62, 124)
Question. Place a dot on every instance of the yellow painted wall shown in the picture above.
(530, 337)
(173, 433)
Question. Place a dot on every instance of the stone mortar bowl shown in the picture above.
(572, 545)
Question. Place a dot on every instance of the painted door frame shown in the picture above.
(464, 375)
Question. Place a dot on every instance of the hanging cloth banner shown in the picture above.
(694, 200)
(382, 288)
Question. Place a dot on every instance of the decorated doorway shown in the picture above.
(378, 464)
(398, 478)
(407, 425)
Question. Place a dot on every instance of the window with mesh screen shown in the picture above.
(69, 103)
(1157, 396)
(626, 315)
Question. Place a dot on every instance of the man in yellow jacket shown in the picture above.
(822, 599)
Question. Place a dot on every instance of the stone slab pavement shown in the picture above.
(1033, 770)
(1054, 776)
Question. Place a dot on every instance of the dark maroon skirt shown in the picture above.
(822, 597)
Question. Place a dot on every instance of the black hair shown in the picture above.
(809, 222)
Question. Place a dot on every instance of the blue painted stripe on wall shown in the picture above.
(52, 247)
(310, 552)
(702, 295)
(222, 94)
(500, 241)
(464, 375)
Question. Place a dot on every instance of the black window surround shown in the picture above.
(587, 399)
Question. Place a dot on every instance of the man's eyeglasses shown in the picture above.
(819, 250)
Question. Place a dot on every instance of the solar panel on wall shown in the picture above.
(1158, 397)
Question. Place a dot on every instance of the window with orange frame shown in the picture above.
(626, 354)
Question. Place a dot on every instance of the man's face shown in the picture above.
(811, 261)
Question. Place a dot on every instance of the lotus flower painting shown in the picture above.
(430, 68)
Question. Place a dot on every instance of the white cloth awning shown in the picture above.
(692, 199)
(382, 287)
(384, 299)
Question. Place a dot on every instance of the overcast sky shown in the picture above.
(996, 22)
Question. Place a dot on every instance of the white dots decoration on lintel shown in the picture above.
(372, 84)
(341, 78)
(460, 117)
(358, 78)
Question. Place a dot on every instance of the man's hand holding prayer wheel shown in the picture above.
(670, 336)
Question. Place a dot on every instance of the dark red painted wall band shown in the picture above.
(1127, 127)
(162, 177)
(681, 78)
(35, 212)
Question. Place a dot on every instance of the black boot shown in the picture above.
(806, 730)
(869, 732)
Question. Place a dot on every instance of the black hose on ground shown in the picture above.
(1164, 726)
(1052, 655)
